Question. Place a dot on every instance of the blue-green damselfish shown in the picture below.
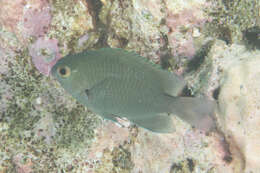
(114, 83)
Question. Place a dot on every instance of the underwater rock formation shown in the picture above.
(44, 128)
(239, 103)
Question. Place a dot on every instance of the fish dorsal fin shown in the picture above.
(129, 56)
(172, 84)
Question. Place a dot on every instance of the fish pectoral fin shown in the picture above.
(86, 92)
(161, 123)
(98, 91)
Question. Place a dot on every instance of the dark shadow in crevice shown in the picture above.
(216, 93)
(251, 37)
(186, 92)
(199, 58)
(95, 7)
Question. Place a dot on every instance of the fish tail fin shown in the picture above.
(198, 112)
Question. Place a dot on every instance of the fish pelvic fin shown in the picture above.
(198, 112)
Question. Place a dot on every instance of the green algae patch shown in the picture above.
(121, 159)
(185, 166)
(24, 84)
(117, 161)
(40, 121)
(230, 18)
(76, 127)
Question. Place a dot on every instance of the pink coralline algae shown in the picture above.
(22, 166)
(37, 18)
(182, 46)
(25, 18)
(186, 17)
(109, 136)
(11, 13)
(45, 53)
(181, 26)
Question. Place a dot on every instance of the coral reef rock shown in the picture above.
(239, 103)
(43, 129)
(230, 74)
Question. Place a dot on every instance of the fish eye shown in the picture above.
(64, 71)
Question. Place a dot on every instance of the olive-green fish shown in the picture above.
(117, 83)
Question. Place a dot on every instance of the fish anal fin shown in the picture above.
(160, 123)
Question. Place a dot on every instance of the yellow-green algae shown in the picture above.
(230, 18)
(116, 161)
(119, 159)
(188, 166)
(73, 123)
(185, 166)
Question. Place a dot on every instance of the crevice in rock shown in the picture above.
(95, 7)
(252, 37)
(195, 63)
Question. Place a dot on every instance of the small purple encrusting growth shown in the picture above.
(36, 18)
(45, 54)
(83, 40)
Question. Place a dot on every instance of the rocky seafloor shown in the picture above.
(213, 44)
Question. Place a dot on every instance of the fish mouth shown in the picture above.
(53, 71)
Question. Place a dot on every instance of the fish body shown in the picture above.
(117, 83)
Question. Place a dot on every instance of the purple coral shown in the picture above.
(11, 13)
(25, 18)
(45, 54)
(37, 18)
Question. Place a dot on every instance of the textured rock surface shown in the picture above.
(239, 103)
(232, 74)
(160, 27)
(43, 128)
